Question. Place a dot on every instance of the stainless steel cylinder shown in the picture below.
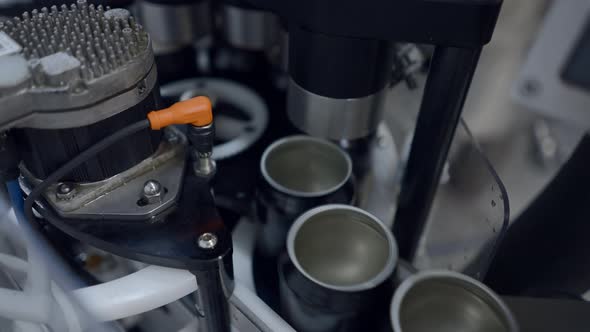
(334, 118)
(448, 301)
(172, 26)
(339, 259)
(250, 29)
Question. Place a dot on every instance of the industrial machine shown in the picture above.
(196, 165)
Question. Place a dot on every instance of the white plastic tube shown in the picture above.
(142, 291)
(17, 305)
(13, 263)
(9, 226)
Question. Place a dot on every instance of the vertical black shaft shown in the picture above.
(451, 72)
(215, 287)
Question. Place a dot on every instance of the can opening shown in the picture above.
(344, 248)
(306, 166)
(450, 304)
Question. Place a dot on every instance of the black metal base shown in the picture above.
(170, 239)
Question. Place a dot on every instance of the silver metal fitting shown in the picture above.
(207, 241)
(152, 192)
(65, 191)
(333, 118)
(201, 139)
(204, 166)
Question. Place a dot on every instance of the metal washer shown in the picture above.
(236, 94)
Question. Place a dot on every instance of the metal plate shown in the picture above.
(119, 196)
(169, 239)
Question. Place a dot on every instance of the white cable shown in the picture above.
(10, 230)
(192, 326)
(136, 293)
(39, 279)
(17, 305)
(67, 308)
(31, 305)
(13, 263)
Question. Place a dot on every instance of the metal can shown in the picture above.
(336, 274)
(298, 173)
(448, 301)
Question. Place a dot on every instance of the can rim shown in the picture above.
(477, 288)
(377, 280)
(289, 139)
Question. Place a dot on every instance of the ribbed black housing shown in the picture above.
(44, 150)
(338, 67)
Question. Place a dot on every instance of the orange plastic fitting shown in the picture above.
(196, 111)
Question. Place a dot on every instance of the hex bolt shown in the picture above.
(207, 241)
(153, 192)
(152, 188)
(65, 191)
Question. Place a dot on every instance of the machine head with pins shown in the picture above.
(72, 66)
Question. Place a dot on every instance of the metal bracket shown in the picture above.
(121, 195)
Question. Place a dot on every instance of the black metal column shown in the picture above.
(451, 72)
(215, 286)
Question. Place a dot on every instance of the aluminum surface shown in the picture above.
(334, 118)
(448, 301)
(85, 64)
(342, 248)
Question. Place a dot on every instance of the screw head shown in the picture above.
(65, 191)
(152, 188)
(64, 188)
(142, 86)
(207, 241)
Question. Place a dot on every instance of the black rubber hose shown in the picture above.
(77, 161)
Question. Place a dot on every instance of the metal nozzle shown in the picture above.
(202, 138)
